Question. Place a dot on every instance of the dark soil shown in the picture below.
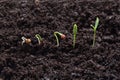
(47, 62)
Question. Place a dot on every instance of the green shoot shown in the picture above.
(74, 34)
(39, 38)
(56, 36)
(94, 29)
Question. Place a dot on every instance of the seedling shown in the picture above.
(94, 29)
(26, 40)
(74, 34)
(56, 36)
(38, 38)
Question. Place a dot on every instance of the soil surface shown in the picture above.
(47, 62)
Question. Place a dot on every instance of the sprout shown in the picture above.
(25, 40)
(38, 38)
(61, 35)
(74, 34)
(94, 29)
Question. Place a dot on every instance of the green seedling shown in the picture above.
(74, 34)
(38, 38)
(56, 36)
(25, 40)
(94, 29)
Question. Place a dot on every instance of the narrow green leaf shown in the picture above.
(92, 26)
(75, 29)
(74, 34)
(96, 23)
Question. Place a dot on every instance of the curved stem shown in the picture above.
(55, 34)
(23, 40)
(39, 38)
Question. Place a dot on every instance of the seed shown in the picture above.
(63, 36)
(28, 41)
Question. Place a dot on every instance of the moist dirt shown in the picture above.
(47, 62)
